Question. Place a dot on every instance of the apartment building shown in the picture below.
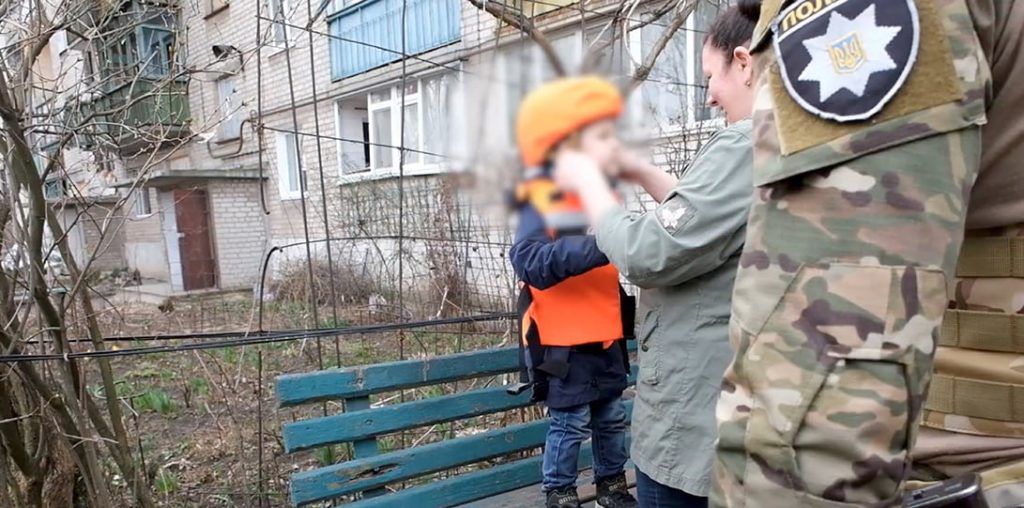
(245, 127)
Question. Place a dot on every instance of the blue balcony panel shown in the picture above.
(368, 34)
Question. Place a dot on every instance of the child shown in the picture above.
(575, 315)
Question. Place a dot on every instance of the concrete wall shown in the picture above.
(144, 247)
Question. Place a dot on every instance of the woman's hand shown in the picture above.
(574, 170)
(638, 170)
(634, 168)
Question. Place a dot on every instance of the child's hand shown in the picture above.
(573, 170)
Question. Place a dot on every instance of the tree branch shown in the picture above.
(589, 60)
(35, 50)
(523, 23)
(644, 70)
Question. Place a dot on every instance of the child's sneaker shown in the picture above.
(612, 492)
(563, 498)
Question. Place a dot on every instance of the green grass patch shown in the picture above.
(166, 482)
(155, 400)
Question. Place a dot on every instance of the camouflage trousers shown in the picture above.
(836, 310)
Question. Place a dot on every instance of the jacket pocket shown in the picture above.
(647, 353)
(841, 373)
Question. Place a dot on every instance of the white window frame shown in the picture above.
(288, 8)
(340, 145)
(143, 206)
(230, 114)
(394, 104)
(533, 75)
(694, 43)
(285, 167)
(536, 71)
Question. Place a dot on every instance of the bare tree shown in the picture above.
(121, 97)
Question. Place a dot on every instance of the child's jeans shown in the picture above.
(605, 421)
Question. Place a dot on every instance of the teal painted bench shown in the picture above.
(363, 478)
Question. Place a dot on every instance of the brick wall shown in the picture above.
(105, 242)
(238, 232)
(95, 233)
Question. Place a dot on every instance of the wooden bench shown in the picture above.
(363, 478)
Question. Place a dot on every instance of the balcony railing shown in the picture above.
(369, 33)
(137, 115)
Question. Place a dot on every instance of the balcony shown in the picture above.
(369, 34)
(138, 115)
(137, 83)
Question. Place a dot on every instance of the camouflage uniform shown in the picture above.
(852, 241)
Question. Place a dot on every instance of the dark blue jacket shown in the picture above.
(594, 373)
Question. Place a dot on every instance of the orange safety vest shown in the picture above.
(582, 309)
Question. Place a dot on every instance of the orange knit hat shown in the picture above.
(556, 110)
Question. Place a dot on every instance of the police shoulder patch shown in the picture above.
(844, 60)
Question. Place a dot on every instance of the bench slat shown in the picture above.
(371, 473)
(295, 389)
(358, 475)
(468, 487)
(368, 423)
(357, 425)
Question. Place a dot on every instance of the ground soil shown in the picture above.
(205, 423)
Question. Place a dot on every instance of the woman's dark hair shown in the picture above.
(734, 27)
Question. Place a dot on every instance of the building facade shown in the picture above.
(243, 128)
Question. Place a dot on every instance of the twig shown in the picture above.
(647, 65)
(523, 23)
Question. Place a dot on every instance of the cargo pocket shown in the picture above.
(647, 355)
(844, 359)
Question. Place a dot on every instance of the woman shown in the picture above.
(683, 255)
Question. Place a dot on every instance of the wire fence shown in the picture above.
(369, 266)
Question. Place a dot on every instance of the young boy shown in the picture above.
(574, 314)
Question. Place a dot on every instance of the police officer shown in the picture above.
(868, 144)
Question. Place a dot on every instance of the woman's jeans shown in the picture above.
(652, 494)
(605, 421)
